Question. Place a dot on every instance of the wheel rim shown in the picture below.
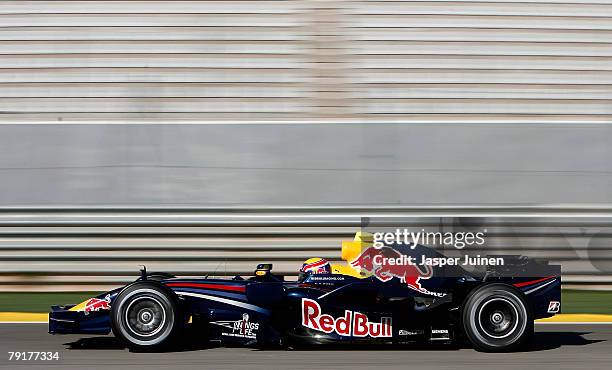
(145, 316)
(498, 317)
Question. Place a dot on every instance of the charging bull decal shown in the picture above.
(386, 263)
(96, 304)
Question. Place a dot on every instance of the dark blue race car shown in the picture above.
(493, 310)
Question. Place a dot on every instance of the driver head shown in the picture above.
(315, 266)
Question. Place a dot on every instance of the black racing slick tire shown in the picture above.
(497, 318)
(146, 316)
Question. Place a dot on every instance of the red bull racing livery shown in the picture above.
(388, 300)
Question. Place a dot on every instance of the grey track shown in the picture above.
(556, 347)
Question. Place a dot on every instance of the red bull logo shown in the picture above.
(96, 304)
(352, 323)
(386, 263)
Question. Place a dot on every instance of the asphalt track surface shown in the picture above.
(556, 346)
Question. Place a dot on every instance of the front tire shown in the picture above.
(497, 318)
(145, 316)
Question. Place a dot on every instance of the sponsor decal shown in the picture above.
(96, 304)
(326, 278)
(440, 334)
(439, 331)
(352, 323)
(403, 332)
(240, 328)
(554, 307)
(386, 263)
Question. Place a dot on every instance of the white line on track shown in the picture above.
(24, 322)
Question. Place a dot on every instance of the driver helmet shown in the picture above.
(315, 266)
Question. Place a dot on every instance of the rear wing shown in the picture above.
(537, 279)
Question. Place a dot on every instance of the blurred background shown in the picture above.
(205, 136)
(450, 61)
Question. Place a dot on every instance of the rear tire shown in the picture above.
(145, 316)
(497, 318)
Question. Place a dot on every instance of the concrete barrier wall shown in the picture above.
(305, 164)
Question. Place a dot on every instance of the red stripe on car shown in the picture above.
(518, 285)
(234, 288)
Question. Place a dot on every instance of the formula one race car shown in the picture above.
(387, 303)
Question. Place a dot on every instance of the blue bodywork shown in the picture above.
(268, 310)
